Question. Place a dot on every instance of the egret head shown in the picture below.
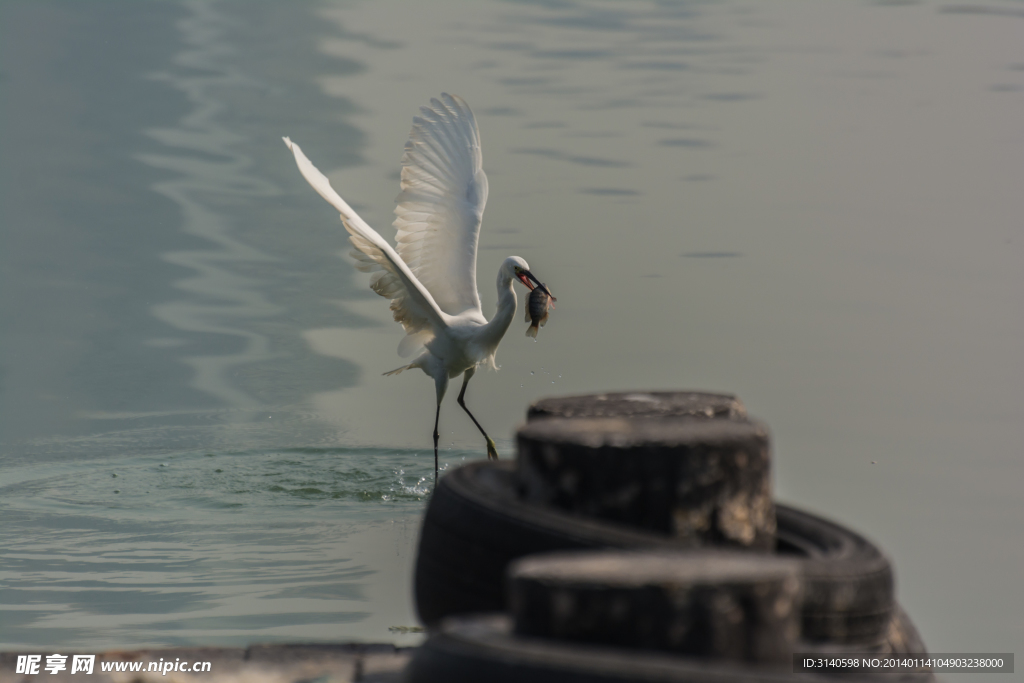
(519, 269)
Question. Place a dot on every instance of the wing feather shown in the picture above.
(411, 303)
(440, 207)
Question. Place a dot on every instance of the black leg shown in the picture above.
(492, 450)
(437, 418)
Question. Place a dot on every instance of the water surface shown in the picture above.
(815, 206)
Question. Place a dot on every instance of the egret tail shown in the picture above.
(398, 371)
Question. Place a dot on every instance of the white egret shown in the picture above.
(430, 277)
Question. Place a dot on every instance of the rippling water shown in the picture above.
(813, 205)
(186, 546)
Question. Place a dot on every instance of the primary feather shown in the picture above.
(411, 303)
(439, 211)
(431, 276)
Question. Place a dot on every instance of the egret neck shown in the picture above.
(496, 328)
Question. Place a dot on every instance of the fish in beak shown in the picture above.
(537, 308)
(531, 281)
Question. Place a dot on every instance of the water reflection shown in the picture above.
(573, 159)
(610, 191)
(206, 156)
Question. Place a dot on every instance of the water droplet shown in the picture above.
(531, 372)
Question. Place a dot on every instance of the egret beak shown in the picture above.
(526, 276)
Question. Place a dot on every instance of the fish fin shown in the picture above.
(531, 331)
(543, 321)
(527, 312)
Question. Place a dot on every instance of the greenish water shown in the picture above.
(185, 547)
(813, 205)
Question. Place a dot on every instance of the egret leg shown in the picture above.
(492, 450)
(440, 386)
(437, 418)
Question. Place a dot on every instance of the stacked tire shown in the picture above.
(676, 486)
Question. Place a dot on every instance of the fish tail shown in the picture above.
(531, 331)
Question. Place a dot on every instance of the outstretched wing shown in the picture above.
(411, 303)
(439, 210)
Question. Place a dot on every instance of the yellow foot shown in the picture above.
(492, 450)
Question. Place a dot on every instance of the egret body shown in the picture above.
(430, 276)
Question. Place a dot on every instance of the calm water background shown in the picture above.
(816, 206)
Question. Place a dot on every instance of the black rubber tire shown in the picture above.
(475, 525)
(848, 582)
(482, 648)
(723, 604)
(902, 638)
(706, 482)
